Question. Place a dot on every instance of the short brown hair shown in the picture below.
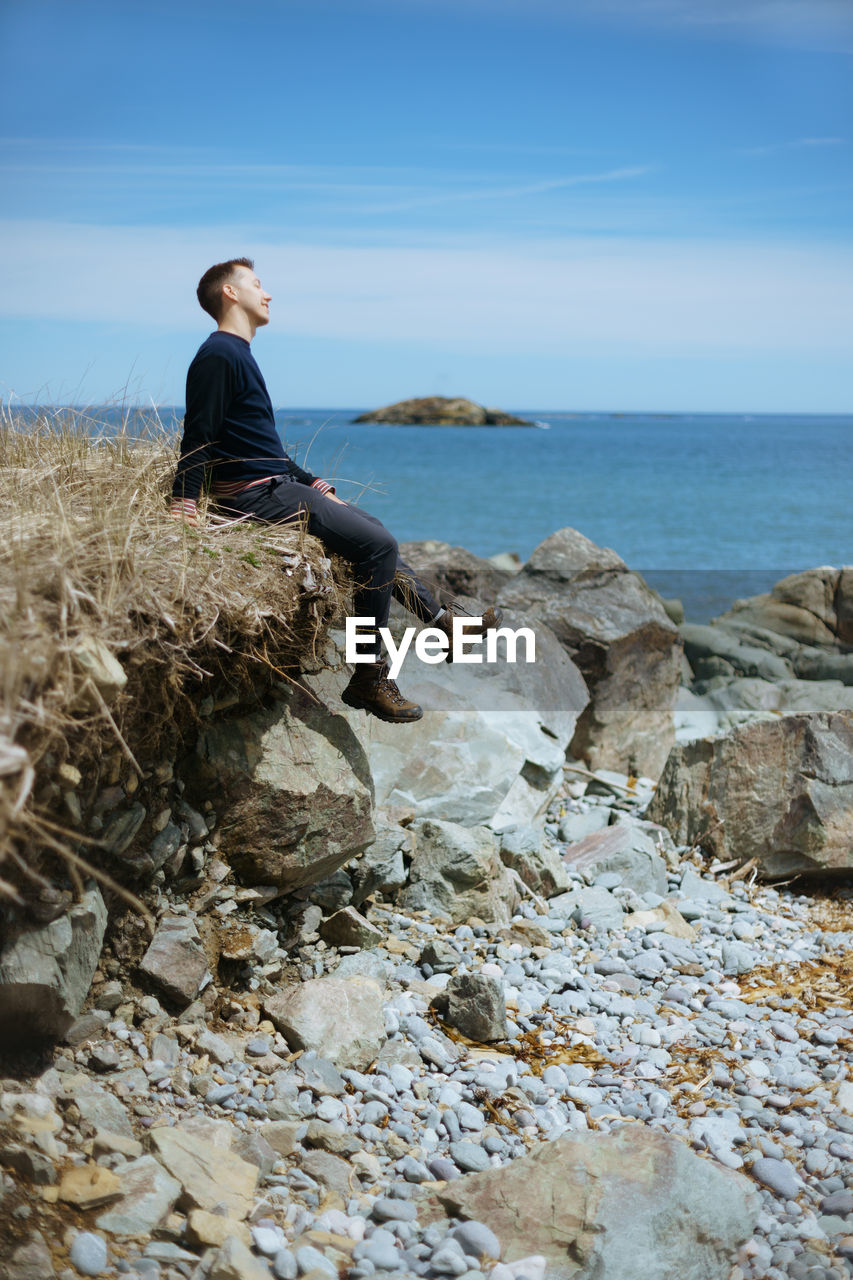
(209, 291)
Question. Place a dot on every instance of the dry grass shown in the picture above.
(86, 549)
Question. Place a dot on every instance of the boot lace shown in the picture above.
(387, 685)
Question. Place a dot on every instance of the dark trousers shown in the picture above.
(356, 535)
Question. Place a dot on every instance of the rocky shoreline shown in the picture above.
(505, 993)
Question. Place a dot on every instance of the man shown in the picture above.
(229, 427)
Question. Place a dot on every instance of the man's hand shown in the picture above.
(333, 497)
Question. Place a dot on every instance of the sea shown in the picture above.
(707, 507)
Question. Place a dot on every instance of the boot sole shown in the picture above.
(361, 704)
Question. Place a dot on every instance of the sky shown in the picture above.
(540, 204)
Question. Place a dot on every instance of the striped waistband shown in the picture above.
(227, 489)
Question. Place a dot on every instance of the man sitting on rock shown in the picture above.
(229, 426)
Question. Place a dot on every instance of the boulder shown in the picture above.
(702, 643)
(625, 850)
(381, 868)
(295, 787)
(147, 1196)
(474, 1003)
(779, 790)
(742, 700)
(453, 571)
(45, 973)
(457, 873)
(492, 742)
(814, 607)
(340, 1018)
(211, 1176)
(525, 850)
(619, 1205)
(617, 631)
(347, 928)
(175, 961)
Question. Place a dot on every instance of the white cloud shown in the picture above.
(579, 294)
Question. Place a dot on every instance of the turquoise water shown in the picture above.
(707, 507)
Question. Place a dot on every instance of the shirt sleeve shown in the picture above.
(306, 477)
(210, 388)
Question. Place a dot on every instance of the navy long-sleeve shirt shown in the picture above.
(229, 424)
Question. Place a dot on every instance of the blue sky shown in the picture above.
(575, 204)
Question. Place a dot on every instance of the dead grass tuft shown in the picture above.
(86, 550)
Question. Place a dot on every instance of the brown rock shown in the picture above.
(347, 928)
(617, 632)
(814, 607)
(780, 791)
(210, 1177)
(89, 1185)
(281, 1135)
(212, 1229)
(296, 790)
(333, 1172)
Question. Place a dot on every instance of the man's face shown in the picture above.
(246, 290)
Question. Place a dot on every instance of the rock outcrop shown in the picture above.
(780, 791)
(617, 632)
(442, 411)
(296, 789)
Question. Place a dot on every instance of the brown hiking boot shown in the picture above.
(491, 618)
(371, 689)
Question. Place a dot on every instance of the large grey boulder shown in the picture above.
(778, 790)
(617, 632)
(45, 973)
(492, 742)
(339, 1018)
(619, 1205)
(457, 873)
(453, 571)
(295, 790)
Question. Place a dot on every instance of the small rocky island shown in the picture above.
(442, 411)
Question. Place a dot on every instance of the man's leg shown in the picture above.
(371, 549)
(413, 594)
(409, 590)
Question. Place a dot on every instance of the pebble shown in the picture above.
(89, 1253)
(778, 1103)
(469, 1156)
